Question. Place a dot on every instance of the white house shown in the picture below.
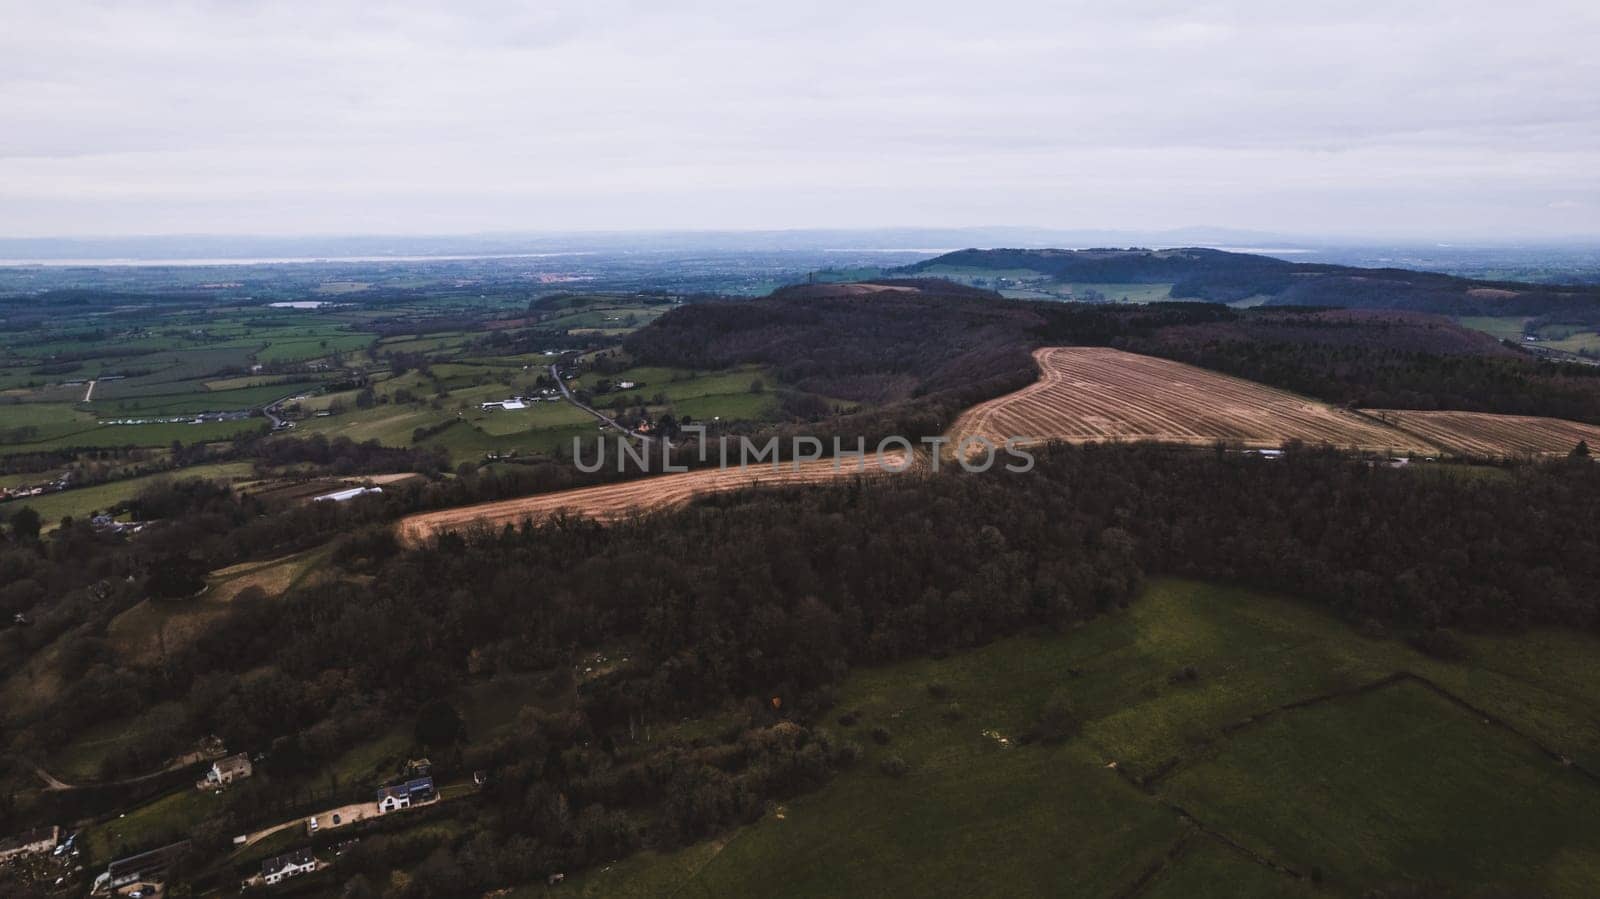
(291, 864)
(401, 796)
(228, 770)
(392, 799)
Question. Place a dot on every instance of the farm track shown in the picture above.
(1491, 434)
(1088, 394)
(610, 502)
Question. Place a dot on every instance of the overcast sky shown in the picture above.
(1431, 119)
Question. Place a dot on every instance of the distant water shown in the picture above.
(271, 260)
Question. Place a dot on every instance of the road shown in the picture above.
(53, 783)
(89, 393)
(270, 410)
(555, 373)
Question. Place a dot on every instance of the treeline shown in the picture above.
(1378, 360)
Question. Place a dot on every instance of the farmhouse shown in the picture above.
(42, 839)
(404, 795)
(290, 864)
(228, 770)
(339, 496)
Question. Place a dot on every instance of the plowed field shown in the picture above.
(1487, 434)
(1093, 393)
(608, 502)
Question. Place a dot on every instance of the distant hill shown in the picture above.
(1219, 276)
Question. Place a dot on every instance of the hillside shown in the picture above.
(1197, 273)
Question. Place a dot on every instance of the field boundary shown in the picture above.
(1148, 783)
(1178, 762)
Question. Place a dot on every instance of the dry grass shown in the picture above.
(1488, 434)
(609, 502)
(147, 631)
(1090, 394)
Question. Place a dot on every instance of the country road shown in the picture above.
(54, 784)
(554, 373)
(89, 393)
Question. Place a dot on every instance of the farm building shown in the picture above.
(151, 865)
(399, 796)
(339, 496)
(42, 839)
(290, 864)
(228, 770)
(508, 405)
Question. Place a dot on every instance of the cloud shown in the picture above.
(142, 117)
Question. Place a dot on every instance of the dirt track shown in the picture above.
(1487, 434)
(609, 502)
(1090, 394)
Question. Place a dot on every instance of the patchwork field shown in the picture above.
(1093, 393)
(1487, 434)
(1302, 759)
(608, 502)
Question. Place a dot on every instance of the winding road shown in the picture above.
(555, 373)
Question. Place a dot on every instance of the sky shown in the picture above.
(1455, 119)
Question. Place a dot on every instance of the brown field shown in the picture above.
(1089, 394)
(1487, 434)
(145, 632)
(608, 502)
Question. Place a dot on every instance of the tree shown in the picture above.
(439, 725)
(25, 524)
(1581, 451)
(1058, 720)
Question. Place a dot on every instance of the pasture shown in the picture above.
(1095, 394)
(1251, 797)
(82, 502)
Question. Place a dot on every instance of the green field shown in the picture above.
(1366, 790)
(81, 502)
(701, 395)
(1508, 327)
(163, 434)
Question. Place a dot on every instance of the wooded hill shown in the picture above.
(1224, 277)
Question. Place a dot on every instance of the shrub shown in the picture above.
(1058, 720)
(881, 736)
(938, 690)
(894, 766)
(1440, 644)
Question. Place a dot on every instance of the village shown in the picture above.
(51, 858)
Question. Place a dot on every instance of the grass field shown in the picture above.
(1365, 789)
(81, 502)
(1091, 393)
(1120, 293)
(1508, 327)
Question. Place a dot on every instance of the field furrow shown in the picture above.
(1094, 393)
(1488, 434)
(608, 502)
